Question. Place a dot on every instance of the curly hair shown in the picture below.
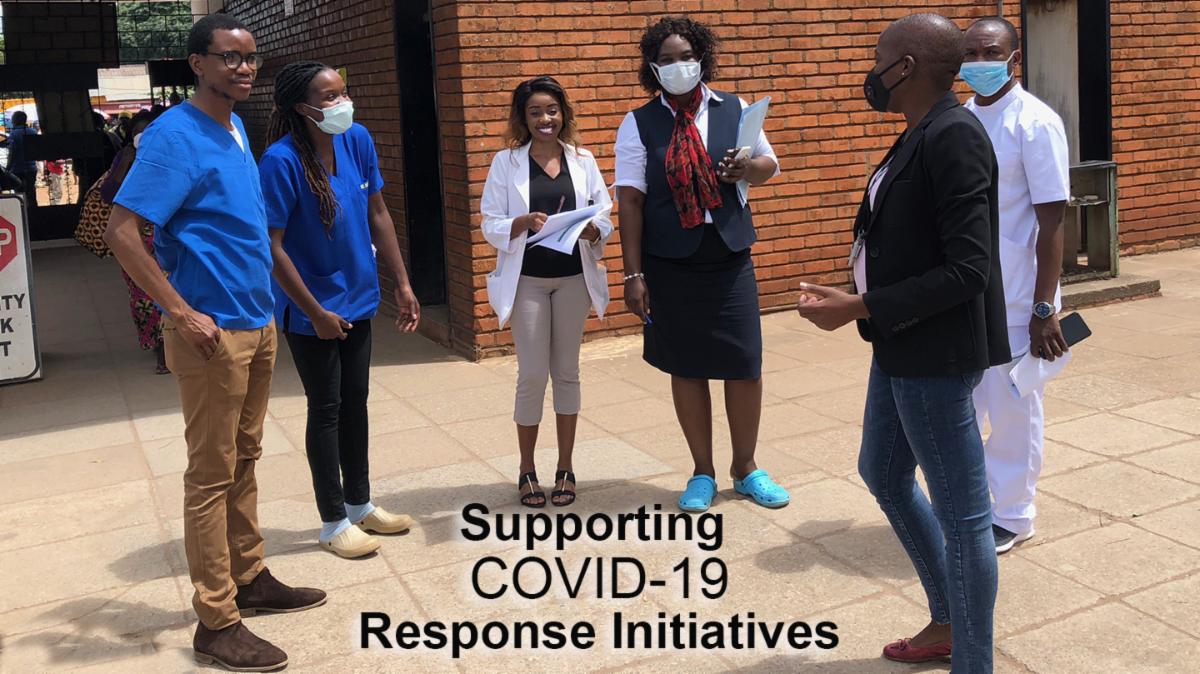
(517, 133)
(291, 88)
(703, 41)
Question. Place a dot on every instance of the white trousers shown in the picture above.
(547, 326)
(1014, 447)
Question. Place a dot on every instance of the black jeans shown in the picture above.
(29, 188)
(335, 375)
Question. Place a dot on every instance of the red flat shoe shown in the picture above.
(904, 651)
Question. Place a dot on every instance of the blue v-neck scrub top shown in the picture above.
(200, 188)
(338, 266)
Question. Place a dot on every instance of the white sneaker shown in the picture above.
(1006, 540)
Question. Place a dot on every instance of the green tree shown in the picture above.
(153, 30)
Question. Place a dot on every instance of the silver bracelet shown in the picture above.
(635, 275)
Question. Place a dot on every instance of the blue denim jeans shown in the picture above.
(930, 422)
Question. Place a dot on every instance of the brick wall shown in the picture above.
(1156, 122)
(810, 56)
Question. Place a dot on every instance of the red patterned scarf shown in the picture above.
(690, 173)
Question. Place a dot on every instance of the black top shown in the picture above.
(934, 288)
(550, 195)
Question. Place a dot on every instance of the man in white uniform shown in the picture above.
(1031, 150)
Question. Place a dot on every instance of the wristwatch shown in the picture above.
(1043, 310)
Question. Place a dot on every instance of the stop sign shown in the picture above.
(8, 242)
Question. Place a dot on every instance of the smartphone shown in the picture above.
(742, 153)
(1074, 330)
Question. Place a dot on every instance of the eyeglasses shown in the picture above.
(234, 60)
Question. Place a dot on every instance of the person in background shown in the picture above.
(89, 169)
(326, 213)
(686, 233)
(147, 317)
(1035, 184)
(544, 292)
(930, 300)
(24, 168)
(195, 179)
(55, 180)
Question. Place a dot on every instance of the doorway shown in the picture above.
(1068, 65)
(422, 152)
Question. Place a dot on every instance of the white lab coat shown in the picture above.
(506, 196)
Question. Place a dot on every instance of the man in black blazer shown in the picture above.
(930, 299)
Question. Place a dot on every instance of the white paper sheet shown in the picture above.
(750, 126)
(1031, 372)
(562, 230)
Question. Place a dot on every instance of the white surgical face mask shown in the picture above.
(137, 138)
(678, 78)
(338, 118)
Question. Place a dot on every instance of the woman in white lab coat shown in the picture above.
(544, 293)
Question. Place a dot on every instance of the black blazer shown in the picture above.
(934, 288)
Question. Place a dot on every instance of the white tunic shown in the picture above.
(1031, 150)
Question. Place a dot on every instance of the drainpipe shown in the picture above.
(1000, 8)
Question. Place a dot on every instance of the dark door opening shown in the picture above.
(422, 157)
(1095, 82)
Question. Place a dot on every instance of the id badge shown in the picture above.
(856, 250)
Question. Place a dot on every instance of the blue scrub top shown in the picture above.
(201, 190)
(338, 267)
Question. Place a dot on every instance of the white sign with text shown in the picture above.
(19, 357)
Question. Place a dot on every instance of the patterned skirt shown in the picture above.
(146, 315)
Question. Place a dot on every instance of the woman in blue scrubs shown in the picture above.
(321, 183)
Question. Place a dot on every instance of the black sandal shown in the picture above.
(563, 476)
(536, 498)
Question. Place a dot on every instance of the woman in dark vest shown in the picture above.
(686, 233)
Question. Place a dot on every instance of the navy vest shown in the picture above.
(662, 235)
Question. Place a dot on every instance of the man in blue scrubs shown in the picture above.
(195, 179)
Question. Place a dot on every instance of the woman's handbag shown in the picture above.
(93, 219)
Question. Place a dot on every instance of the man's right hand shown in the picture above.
(637, 298)
(330, 326)
(199, 331)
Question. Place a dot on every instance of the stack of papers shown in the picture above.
(562, 230)
(1032, 372)
(749, 128)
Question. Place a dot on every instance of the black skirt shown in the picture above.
(704, 314)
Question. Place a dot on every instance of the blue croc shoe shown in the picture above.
(699, 494)
(760, 487)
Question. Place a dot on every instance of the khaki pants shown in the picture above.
(224, 402)
(547, 326)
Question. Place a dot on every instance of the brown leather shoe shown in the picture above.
(237, 649)
(264, 594)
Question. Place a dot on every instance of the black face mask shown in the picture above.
(877, 93)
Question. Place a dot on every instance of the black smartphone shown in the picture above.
(1074, 330)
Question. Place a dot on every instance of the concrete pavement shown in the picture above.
(91, 459)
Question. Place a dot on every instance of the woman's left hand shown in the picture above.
(730, 171)
(408, 309)
(590, 233)
(829, 308)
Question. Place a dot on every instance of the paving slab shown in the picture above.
(93, 576)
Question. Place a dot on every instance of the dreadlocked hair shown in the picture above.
(291, 88)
